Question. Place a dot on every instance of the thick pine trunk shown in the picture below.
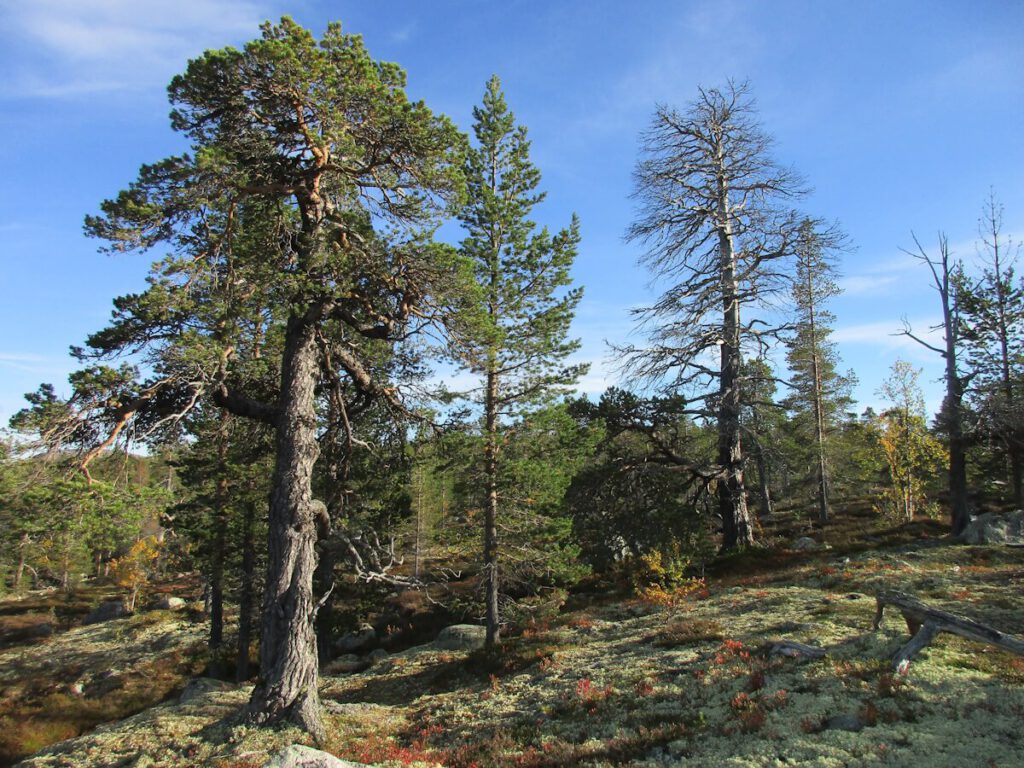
(287, 685)
(959, 507)
(1014, 448)
(493, 618)
(247, 593)
(1013, 444)
(732, 497)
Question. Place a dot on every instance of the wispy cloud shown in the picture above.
(876, 276)
(858, 285)
(69, 48)
(888, 335)
(29, 363)
(993, 69)
(689, 49)
(404, 34)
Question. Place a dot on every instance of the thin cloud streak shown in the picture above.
(74, 48)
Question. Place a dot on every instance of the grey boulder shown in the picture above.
(298, 756)
(357, 642)
(991, 528)
(461, 637)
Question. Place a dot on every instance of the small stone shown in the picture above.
(378, 654)
(846, 722)
(103, 683)
(805, 543)
(346, 664)
(677, 748)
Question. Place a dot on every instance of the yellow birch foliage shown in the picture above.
(134, 569)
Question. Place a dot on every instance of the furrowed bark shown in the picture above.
(287, 686)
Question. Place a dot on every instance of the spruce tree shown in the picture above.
(521, 349)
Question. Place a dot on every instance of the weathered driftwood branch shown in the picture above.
(925, 623)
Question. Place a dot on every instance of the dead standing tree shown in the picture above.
(947, 276)
(711, 219)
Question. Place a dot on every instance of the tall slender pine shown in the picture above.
(520, 353)
(819, 391)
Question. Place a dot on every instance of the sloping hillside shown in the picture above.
(684, 682)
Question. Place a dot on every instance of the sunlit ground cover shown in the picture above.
(684, 682)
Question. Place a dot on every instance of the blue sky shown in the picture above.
(901, 115)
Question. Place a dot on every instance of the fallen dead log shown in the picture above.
(795, 650)
(925, 622)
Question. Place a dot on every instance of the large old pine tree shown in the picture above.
(315, 146)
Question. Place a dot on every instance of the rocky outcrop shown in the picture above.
(992, 528)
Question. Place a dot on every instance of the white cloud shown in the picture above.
(875, 276)
(69, 48)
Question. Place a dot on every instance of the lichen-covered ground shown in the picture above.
(687, 683)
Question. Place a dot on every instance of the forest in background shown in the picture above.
(284, 349)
